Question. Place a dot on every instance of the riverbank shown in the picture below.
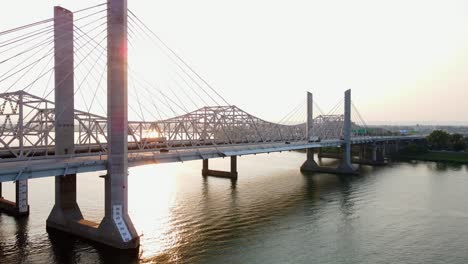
(452, 157)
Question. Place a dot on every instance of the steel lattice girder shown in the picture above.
(27, 128)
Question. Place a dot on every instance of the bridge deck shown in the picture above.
(48, 166)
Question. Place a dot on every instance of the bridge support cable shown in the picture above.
(68, 74)
(138, 21)
(30, 45)
(190, 78)
(170, 54)
(139, 30)
(14, 30)
(185, 110)
(289, 125)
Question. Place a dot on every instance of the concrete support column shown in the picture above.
(346, 166)
(362, 152)
(309, 164)
(232, 174)
(116, 229)
(378, 155)
(66, 209)
(205, 168)
(21, 197)
(234, 165)
(374, 153)
(20, 206)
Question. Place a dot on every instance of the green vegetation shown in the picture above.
(458, 142)
(441, 146)
(414, 149)
(331, 150)
(441, 140)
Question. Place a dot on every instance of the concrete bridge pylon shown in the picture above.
(116, 228)
(345, 166)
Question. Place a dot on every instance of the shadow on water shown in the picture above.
(320, 185)
(19, 242)
(22, 236)
(444, 166)
(437, 166)
(66, 249)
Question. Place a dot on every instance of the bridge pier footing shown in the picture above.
(345, 166)
(115, 230)
(20, 206)
(221, 174)
(66, 211)
(309, 164)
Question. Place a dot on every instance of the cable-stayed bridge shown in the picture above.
(28, 146)
(71, 85)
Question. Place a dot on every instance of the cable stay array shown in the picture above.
(170, 104)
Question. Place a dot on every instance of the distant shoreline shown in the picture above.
(450, 157)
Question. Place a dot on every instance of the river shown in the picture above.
(401, 213)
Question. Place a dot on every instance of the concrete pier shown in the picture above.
(65, 210)
(346, 167)
(309, 164)
(20, 206)
(378, 154)
(221, 174)
(116, 229)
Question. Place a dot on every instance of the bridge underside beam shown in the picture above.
(367, 155)
(221, 174)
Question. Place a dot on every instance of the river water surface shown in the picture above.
(401, 213)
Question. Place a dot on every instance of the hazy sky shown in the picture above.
(405, 60)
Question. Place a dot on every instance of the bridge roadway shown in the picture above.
(49, 166)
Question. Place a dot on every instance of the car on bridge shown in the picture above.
(314, 139)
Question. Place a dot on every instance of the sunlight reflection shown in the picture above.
(150, 204)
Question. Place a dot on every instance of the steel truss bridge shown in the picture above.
(27, 143)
